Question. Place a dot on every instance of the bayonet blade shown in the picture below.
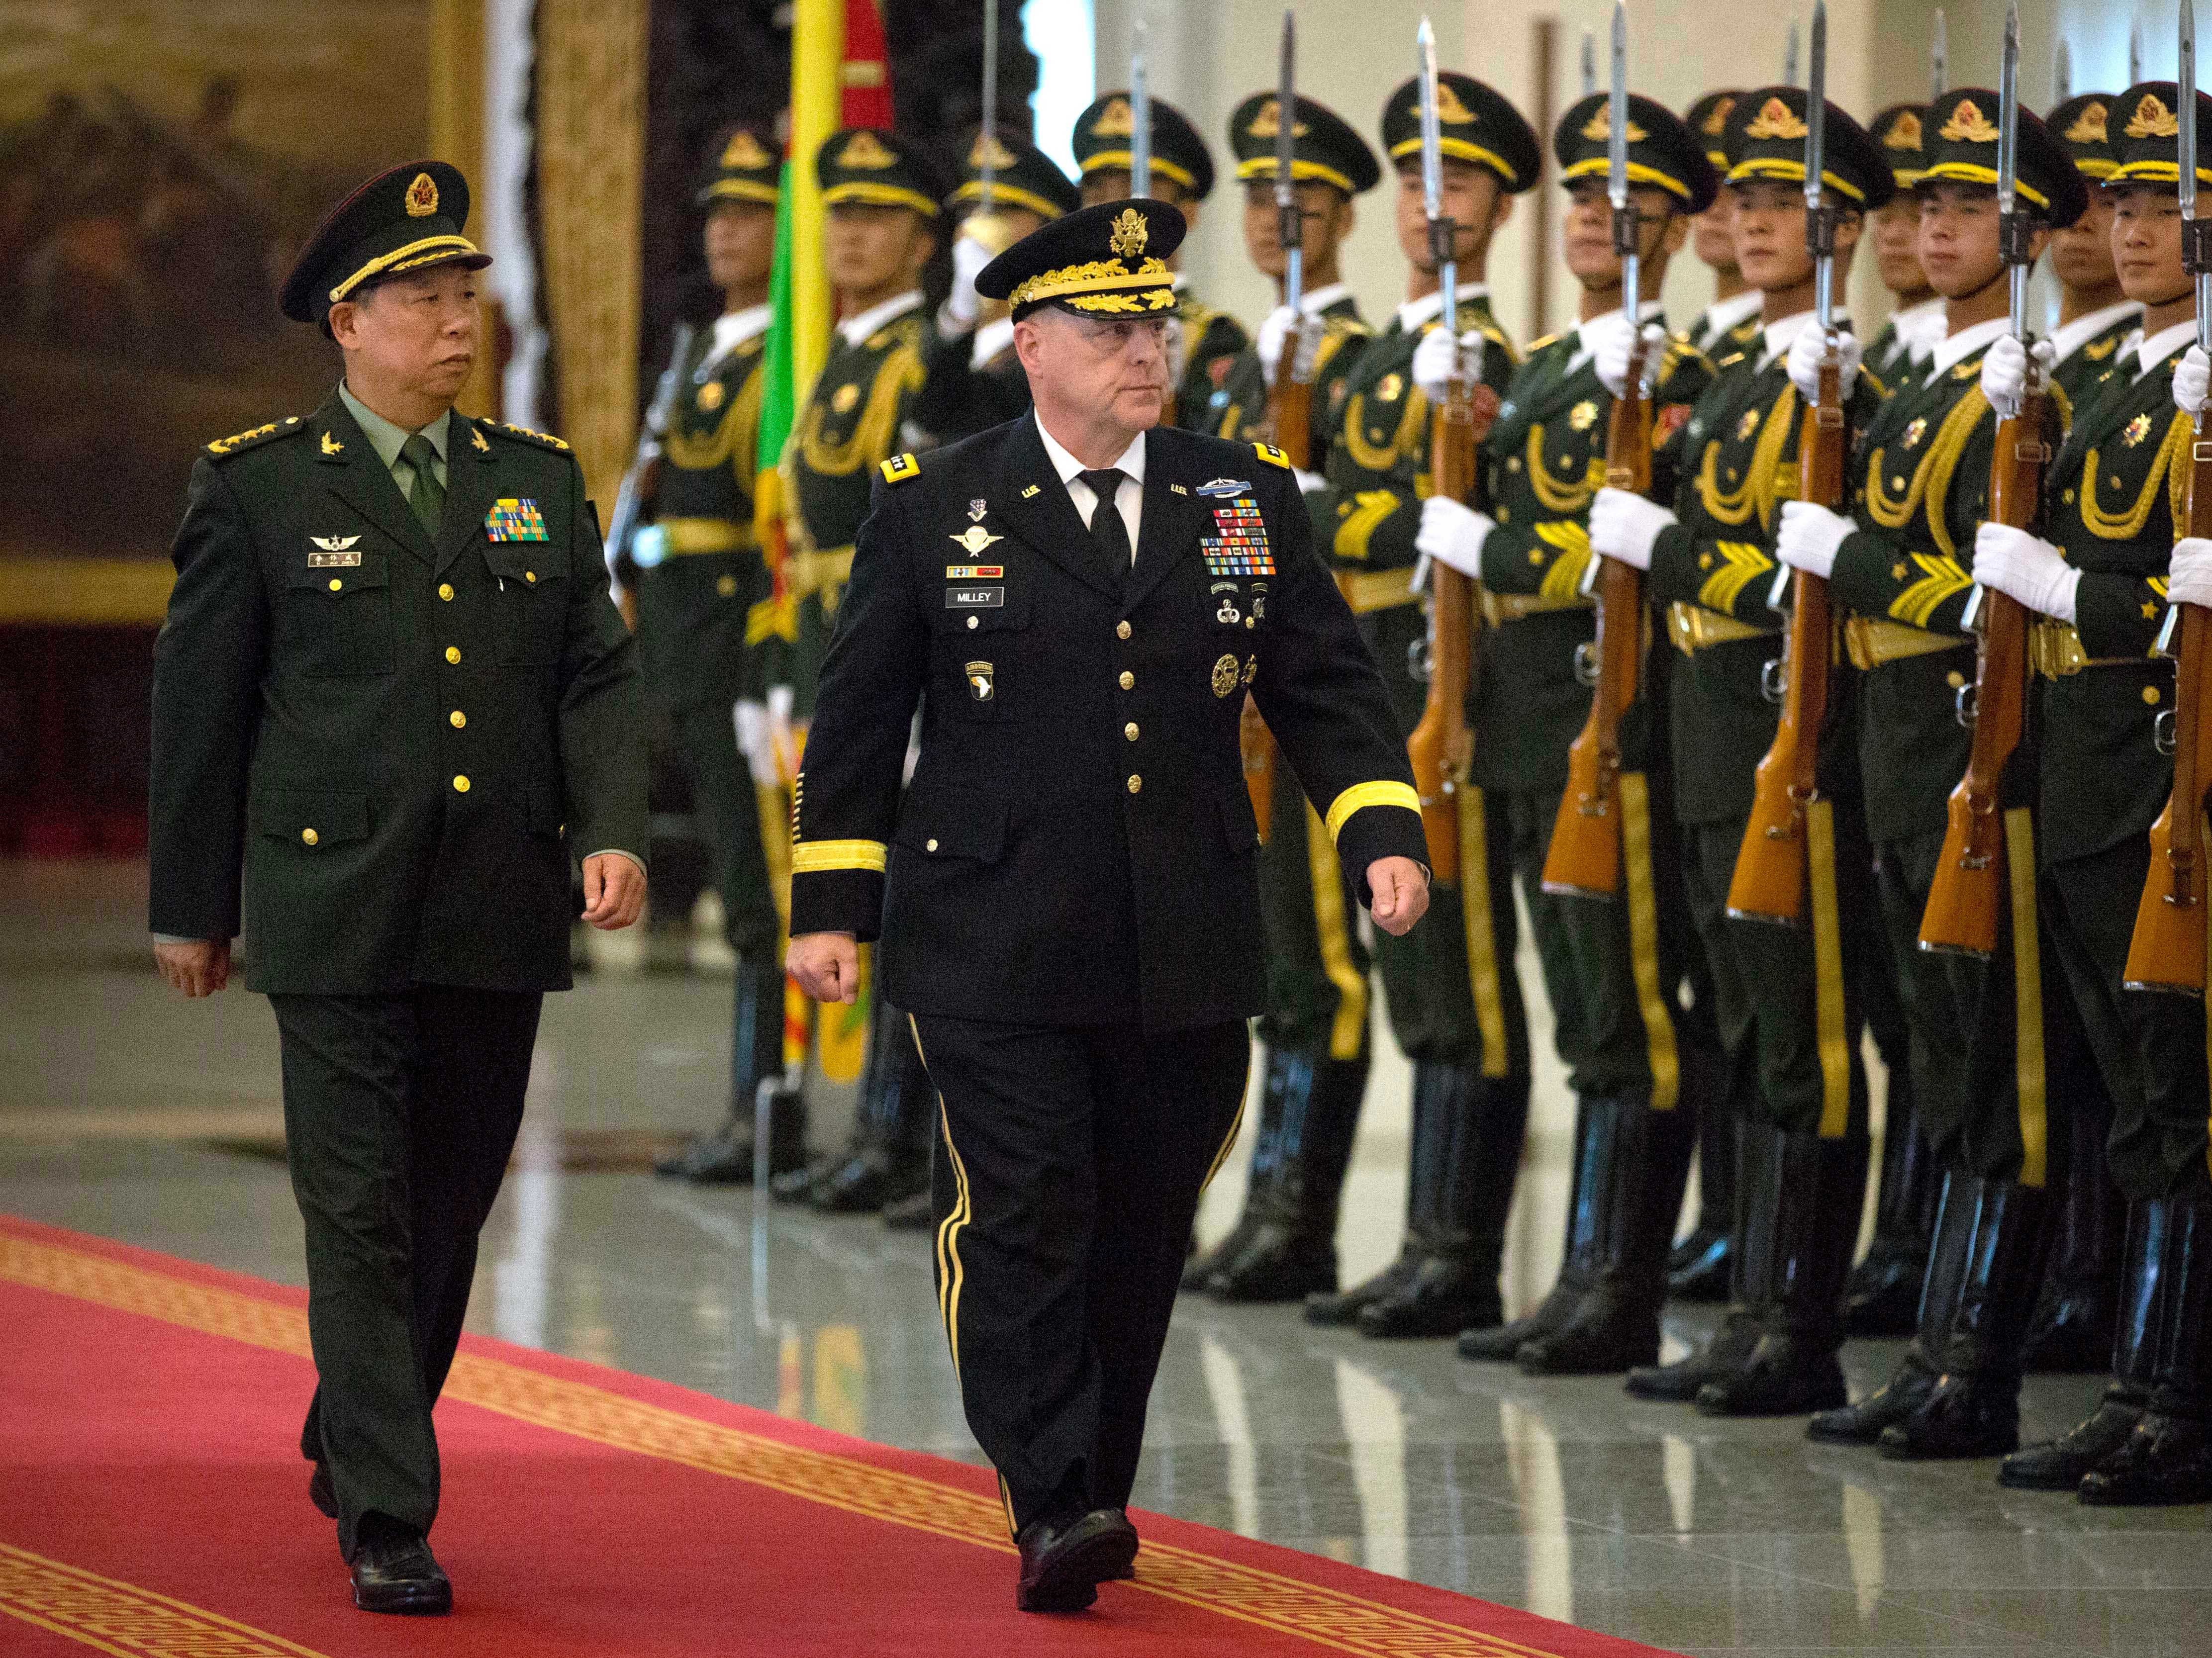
(1589, 63)
(2135, 51)
(1140, 116)
(1288, 226)
(1816, 106)
(2062, 74)
(2009, 113)
(1790, 56)
(1432, 172)
(1939, 58)
(2185, 148)
(987, 174)
(1616, 137)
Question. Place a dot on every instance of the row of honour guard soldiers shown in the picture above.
(2042, 1200)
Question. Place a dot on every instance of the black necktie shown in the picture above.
(1109, 532)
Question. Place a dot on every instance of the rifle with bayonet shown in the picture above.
(1967, 901)
(2167, 950)
(1770, 879)
(641, 480)
(1140, 170)
(1584, 856)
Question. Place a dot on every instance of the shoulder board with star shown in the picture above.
(900, 468)
(900, 331)
(254, 437)
(1273, 456)
(544, 439)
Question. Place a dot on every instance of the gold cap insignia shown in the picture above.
(865, 150)
(1903, 132)
(2088, 126)
(1114, 121)
(1449, 107)
(743, 150)
(1130, 235)
(1268, 121)
(2153, 120)
(1600, 125)
(1717, 117)
(989, 152)
(1968, 125)
(1775, 120)
(421, 196)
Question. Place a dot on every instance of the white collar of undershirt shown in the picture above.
(2069, 337)
(1646, 312)
(1919, 326)
(1725, 316)
(1414, 313)
(1315, 300)
(856, 330)
(2157, 347)
(733, 328)
(1952, 349)
(1781, 336)
(1130, 465)
(993, 337)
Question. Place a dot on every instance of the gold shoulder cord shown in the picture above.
(900, 373)
(1571, 495)
(1766, 458)
(1412, 424)
(1931, 479)
(2125, 527)
(1757, 493)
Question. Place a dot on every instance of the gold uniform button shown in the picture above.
(458, 719)
(1129, 680)
(336, 584)
(2150, 693)
(460, 786)
(726, 585)
(974, 623)
(452, 654)
(1954, 679)
(932, 843)
(1251, 621)
(309, 836)
(1136, 784)
(1129, 730)
(530, 576)
(446, 591)
(1120, 630)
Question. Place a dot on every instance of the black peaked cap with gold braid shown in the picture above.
(869, 168)
(408, 219)
(1102, 133)
(744, 169)
(1899, 130)
(1766, 140)
(1107, 261)
(1474, 123)
(1323, 145)
(2144, 130)
(1663, 153)
(2083, 123)
(1959, 145)
(1022, 176)
(1708, 119)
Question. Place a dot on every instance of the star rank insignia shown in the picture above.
(331, 446)
(1583, 416)
(2135, 431)
(476, 441)
(1916, 431)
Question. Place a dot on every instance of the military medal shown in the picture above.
(514, 520)
(1238, 545)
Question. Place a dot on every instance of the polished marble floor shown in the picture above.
(1565, 1497)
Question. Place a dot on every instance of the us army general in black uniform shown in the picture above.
(391, 699)
(1066, 896)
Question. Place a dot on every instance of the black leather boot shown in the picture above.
(1290, 1253)
(2167, 1458)
(1499, 1343)
(2078, 1309)
(1974, 1410)
(1335, 1307)
(1820, 1187)
(2058, 1465)
(1881, 1296)
(1470, 1167)
(1750, 1287)
(1267, 1152)
(1615, 1323)
(725, 1157)
(1698, 1268)
(1914, 1379)
(888, 1157)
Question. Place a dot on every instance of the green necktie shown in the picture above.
(426, 494)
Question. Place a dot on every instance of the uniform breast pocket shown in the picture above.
(980, 647)
(532, 582)
(339, 616)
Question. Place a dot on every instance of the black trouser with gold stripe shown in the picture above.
(399, 1114)
(1068, 1168)
(1317, 983)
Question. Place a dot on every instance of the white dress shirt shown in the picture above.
(2149, 353)
(1414, 313)
(1781, 336)
(856, 330)
(732, 329)
(1129, 495)
(1723, 317)
(1955, 349)
(2070, 337)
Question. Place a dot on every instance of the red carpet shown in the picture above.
(152, 1503)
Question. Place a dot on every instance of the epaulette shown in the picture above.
(1548, 340)
(1881, 386)
(545, 438)
(252, 437)
(1273, 456)
(899, 468)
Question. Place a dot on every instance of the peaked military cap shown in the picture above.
(1898, 130)
(1022, 176)
(1766, 140)
(1323, 145)
(1109, 260)
(408, 219)
(875, 168)
(1102, 133)
(1708, 119)
(2081, 123)
(745, 170)
(1663, 151)
(1959, 145)
(1474, 123)
(2144, 135)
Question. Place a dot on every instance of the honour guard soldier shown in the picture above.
(1712, 237)
(1640, 1066)
(972, 378)
(2099, 594)
(1915, 320)
(1455, 1001)
(1283, 1248)
(706, 626)
(1204, 340)
(1065, 895)
(2094, 317)
(884, 214)
(1895, 566)
(391, 701)
(1801, 1163)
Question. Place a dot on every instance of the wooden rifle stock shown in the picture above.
(1769, 882)
(1441, 747)
(2167, 950)
(1290, 428)
(1966, 903)
(1584, 855)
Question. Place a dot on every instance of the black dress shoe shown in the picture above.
(1278, 1262)
(322, 1493)
(1678, 1383)
(1964, 1415)
(1342, 1307)
(1065, 1560)
(1785, 1374)
(1862, 1424)
(2061, 1464)
(1447, 1293)
(865, 1182)
(396, 1572)
(2165, 1460)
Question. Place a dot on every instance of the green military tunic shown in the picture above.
(2082, 362)
(1212, 341)
(1237, 407)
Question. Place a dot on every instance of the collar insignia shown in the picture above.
(331, 446)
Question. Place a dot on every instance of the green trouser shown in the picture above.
(1317, 985)
(722, 788)
(1529, 815)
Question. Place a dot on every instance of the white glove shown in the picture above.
(1275, 329)
(1623, 525)
(755, 743)
(969, 258)
(783, 737)
(2192, 376)
(1453, 535)
(1805, 354)
(1809, 537)
(1176, 350)
(1436, 363)
(1608, 340)
(648, 546)
(2189, 577)
(2034, 571)
(2004, 372)
(1309, 482)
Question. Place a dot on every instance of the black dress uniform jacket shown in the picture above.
(1076, 846)
(396, 738)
